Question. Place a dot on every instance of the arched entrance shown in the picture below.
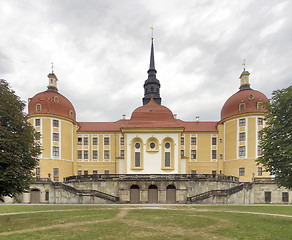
(170, 194)
(35, 196)
(152, 194)
(134, 194)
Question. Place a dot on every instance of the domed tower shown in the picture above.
(242, 118)
(152, 84)
(53, 117)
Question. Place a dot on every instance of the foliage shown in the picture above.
(18, 150)
(277, 137)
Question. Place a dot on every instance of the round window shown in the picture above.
(167, 145)
(56, 99)
(250, 97)
(152, 145)
(137, 145)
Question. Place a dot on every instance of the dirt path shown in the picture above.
(200, 232)
(121, 214)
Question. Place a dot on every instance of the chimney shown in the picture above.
(197, 118)
(124, 116)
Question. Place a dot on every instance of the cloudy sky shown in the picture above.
(101, 51)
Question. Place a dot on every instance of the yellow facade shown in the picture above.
(230, 146)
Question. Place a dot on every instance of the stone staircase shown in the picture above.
(215, 193)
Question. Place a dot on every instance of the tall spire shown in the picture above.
(152, 84)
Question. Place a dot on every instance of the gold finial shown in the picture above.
(152, 29)
(243, 64)
(52, 67)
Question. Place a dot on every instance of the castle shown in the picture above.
(153, 157)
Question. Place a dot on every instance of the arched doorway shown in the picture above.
(134, 194)
(170, 194)
(35, 196)
(152, 194)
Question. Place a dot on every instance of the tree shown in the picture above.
(18, 149)
(277, 137)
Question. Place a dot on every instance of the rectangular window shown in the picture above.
(56, 137)
(260, 121)
(38, 122)
(56, 151)
(122, 154)
(242, 136)
(79, 172)
(193, 172)
(285, 197)
(193, 141)
(241, 171)
(79, 141)
(106, 141)
(268, 197)
(193, 154)
(106, 154)
(167, 159)
(242, 151)
(214, 154)
(79, 154)
(85, 154)
(260, 105)
(38, 107)
(214, 141)
(94, 154)
(260, 150)
(260, 136)
(137, 159)
(94, 172)
(182, 141)
(106, 171)
(85, 141)
(242, 122)
(38, 136)
(56, 174)
(85, 172)
(214, 172)
(182, 153)
(38, 171)
(55, 123)
(94, 141)
(260, 171)
(122, 141)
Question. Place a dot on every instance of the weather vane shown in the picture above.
(52, 67)
(243, 64)
(152, 29)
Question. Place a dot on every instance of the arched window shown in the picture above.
(167, 153)
(137, 154)
(152, 89)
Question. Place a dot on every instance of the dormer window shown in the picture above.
(242, 107)
(71, 113)
(259, 105)
(38, 107)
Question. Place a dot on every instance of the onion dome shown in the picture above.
(246, 100)
(51, 101)
(152, 115)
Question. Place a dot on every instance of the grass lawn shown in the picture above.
(127, 222)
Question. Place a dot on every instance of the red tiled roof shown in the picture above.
(152, 115)
(48, 106)
(231, 106)
(199, 126)
(101, 126)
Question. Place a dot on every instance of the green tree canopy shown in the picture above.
(277, 137)
(18, 150)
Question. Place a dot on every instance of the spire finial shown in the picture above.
(52, 67)
(243, 64)
(152, 29)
